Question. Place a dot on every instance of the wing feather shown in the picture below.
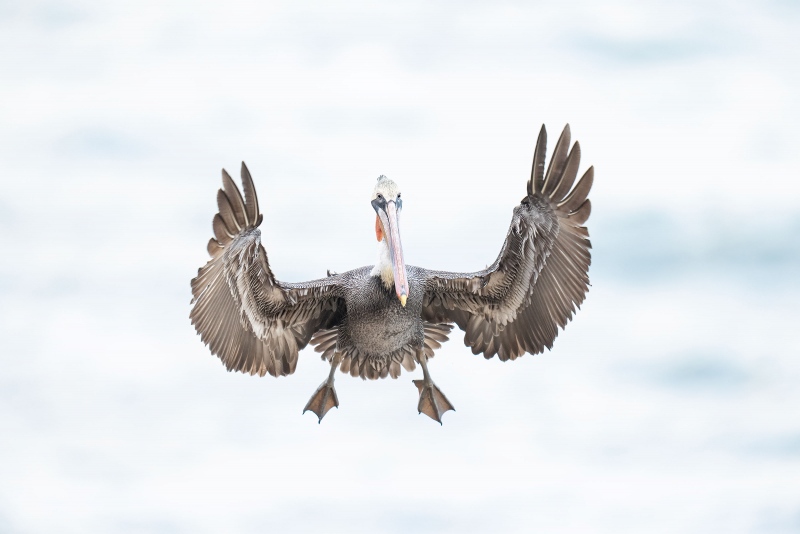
(250, 197)
(221, 231)
(537, 169)
(558, 160)
(581, 215)
(568, 178)
(236, 200)
(540, 278)
(253, 322)
(226, 214)
(579, 194)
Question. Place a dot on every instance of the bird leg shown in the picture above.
(432, 401)
(325, 397)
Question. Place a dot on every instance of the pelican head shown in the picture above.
(387, 204)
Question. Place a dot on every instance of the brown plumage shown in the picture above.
(373, 321)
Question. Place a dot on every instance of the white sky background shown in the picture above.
(670, 404)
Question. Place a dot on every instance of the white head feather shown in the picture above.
(385, 187)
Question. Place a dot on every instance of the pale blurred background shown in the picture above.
(670, 403)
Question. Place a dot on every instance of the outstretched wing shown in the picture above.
(254, 323)
(541, 275)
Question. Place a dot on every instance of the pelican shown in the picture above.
(374, 321)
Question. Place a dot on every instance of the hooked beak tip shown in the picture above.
(403, 300)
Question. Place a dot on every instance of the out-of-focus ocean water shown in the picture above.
(669, 404)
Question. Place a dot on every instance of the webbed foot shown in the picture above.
(325, 397)
(323, 400)
(432, 401)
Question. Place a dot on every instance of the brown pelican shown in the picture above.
(373, 321)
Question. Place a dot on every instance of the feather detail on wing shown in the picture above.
(254, 323)
(541, 275)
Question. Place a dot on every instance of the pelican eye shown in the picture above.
(398, 195)
(380, 197)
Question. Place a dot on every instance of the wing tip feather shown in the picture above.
(537, 169)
